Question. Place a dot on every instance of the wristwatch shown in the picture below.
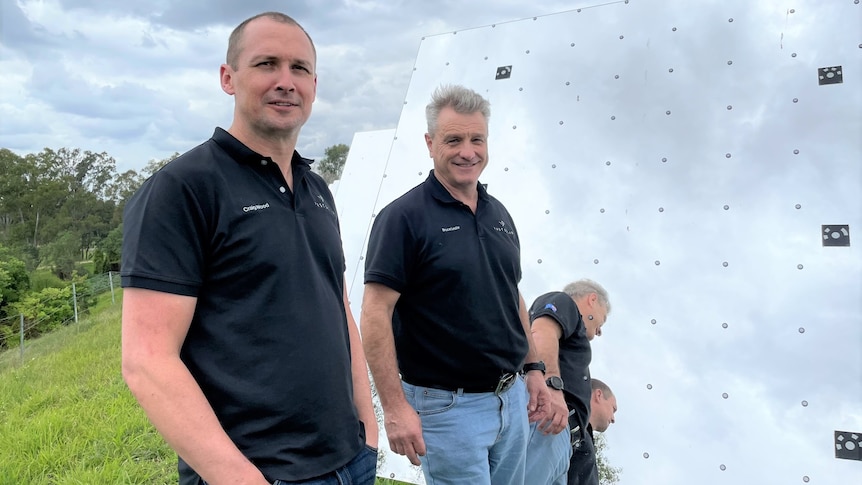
(555, 382)
(534, 366)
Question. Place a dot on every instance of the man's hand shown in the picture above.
(404, 430)
(540, 397)
(557, 414)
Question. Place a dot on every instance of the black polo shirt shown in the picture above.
(456, 323)
(575, 352)
(268, 342)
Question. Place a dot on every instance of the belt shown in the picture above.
(504, 384)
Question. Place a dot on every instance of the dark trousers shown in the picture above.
(582, 465)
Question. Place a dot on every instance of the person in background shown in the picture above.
(237, 338)
(563, 324)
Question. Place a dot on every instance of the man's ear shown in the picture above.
(428, 142)
(226, 78)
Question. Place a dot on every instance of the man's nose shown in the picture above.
(285, 80)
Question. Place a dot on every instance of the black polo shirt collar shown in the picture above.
(240, 153)
(439, 192)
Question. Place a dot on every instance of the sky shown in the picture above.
(685, 158)
(139, 79)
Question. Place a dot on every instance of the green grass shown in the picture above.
(67, 417)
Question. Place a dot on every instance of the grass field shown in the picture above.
(67, 417)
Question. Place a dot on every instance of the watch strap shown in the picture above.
(540, 366)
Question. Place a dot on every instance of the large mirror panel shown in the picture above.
(704, 163)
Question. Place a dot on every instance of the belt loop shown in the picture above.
(459, 391)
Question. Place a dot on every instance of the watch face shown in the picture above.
(555, 382)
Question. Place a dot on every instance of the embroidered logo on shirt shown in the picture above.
(551, 307)
(503, 228)
(450, 229)
(256, 207)
(320, 202)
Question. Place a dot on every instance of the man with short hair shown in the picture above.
(443, 323)
(603, 406)
(237, 338)
(563, 324)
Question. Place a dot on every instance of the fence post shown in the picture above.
(111, 283)
(75, 302)
(22, 338)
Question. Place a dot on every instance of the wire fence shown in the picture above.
(49, 313)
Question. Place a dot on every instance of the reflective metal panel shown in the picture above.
(355, 198)
(703, 162)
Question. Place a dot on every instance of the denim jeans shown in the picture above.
(475, 438)
(548, 457)
(361, 470)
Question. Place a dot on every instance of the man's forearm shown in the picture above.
(379, 345)
(532, 352)
(361, 382)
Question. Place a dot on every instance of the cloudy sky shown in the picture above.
(139, 79)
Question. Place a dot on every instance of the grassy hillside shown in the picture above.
(66, 416)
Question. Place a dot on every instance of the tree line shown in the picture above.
(60, 208)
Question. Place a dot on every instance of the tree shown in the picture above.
(331, 165)
(14, 280)
(608, 475)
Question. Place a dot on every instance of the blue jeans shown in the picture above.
(475, 438)
(548, 457)
(361, 470)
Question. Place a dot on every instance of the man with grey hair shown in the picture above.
(563, 324)
(443, 322)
